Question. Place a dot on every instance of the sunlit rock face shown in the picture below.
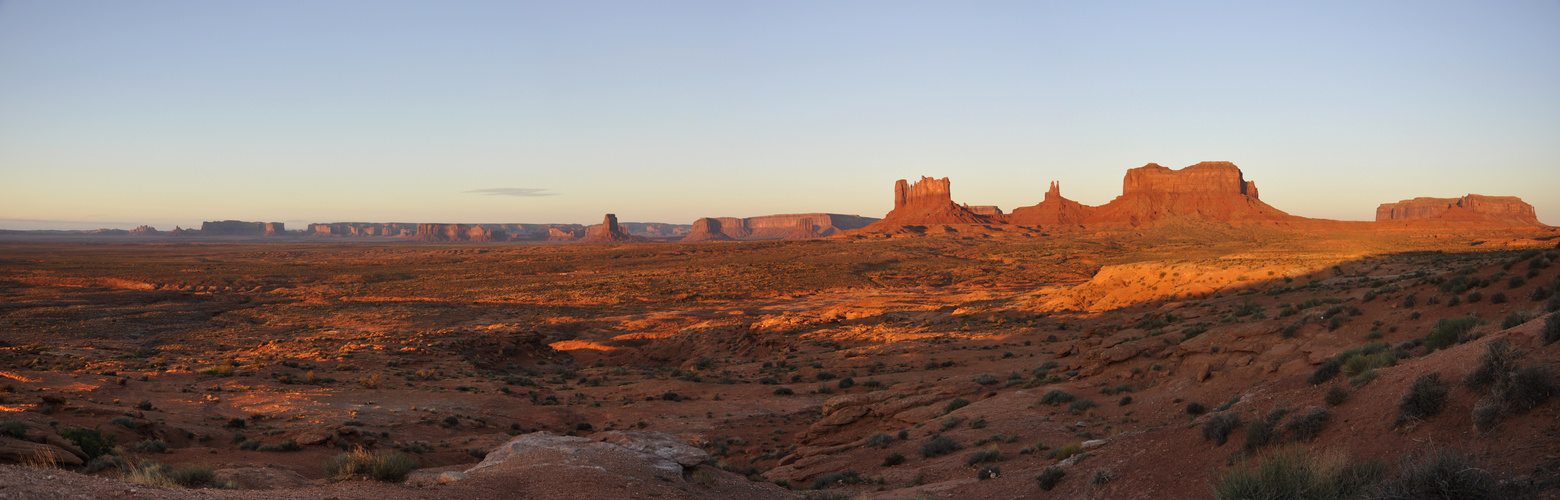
(1503, 209)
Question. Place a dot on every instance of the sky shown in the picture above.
(117, 114)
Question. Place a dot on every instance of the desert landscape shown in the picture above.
(1185, 340)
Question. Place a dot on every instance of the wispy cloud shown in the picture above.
(514, 192)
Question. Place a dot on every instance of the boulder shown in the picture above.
(18, 451)
(659, 444)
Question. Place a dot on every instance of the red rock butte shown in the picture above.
(1498, 209)
(608, 232)
(1212, 189)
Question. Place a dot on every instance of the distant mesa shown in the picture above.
(458, 232)
(179, 231)
(562, 234)
(363, 229)
(1474, 207)
(1054, 210)
(986, 210)
(242, 228)
(774, 227)
(609, 231)
(1214, 190)
(927, 202)
(145, 231)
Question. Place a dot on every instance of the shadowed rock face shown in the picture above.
(1504, 209)
(1213, 190)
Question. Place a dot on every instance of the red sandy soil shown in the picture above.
(446, 352)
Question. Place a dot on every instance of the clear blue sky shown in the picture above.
(114, 114)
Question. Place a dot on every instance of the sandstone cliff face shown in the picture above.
(986, 210)
(927, 202)
(1052, 211)
(242, 228)
(608, 232)
(561, 234)
(1212, 190)
(457, 232)
(145, 231)
(1473, 207)
(773, 227)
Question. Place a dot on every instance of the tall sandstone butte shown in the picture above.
(608, 232)
(928, 201)
(1053, 210)
(1496, 209)
(1212, 189)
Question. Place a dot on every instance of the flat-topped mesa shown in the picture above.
(457, 232)
(706, 229)
(242, 228)
(774, 227)
(1213, 190)
(1473, 207)
(928, 201)
(608, 232)
(1054, 210)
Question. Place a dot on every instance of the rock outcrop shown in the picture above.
(561, 234)
(1212, 190)
(1053, 210)
(242, 228)
(608, 232)
(774, 227)
(986, 210)
(457, 232)
(927, 202)
(145, 231)
(1499, 209)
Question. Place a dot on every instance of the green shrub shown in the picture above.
(1259, 433)
(1078, 406)
(362, 464)
(1065, 452)
(784, 391)
(13, 428)
(1050, 476)
(1306, 426)
(1425, 398)
(956, 404)
(125, 422)
(1498, 298)
(1496, 364)
(988, 473)
(91, 441)
(153, 473)
(1450, 331)
(834, 478)
(1439, 473)
(1294, 474)
(1551, 331)
(1336, 396)
(249, 444)
(1531, 387)
(288, 445)
(985, 379)
(880, 439)
(1195, 408)
(846, 383)
(152, 446)
(1515, 318)
(938, 446)
(1056, 397)
(983, 456)
(893, 459)
(1218, 428)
